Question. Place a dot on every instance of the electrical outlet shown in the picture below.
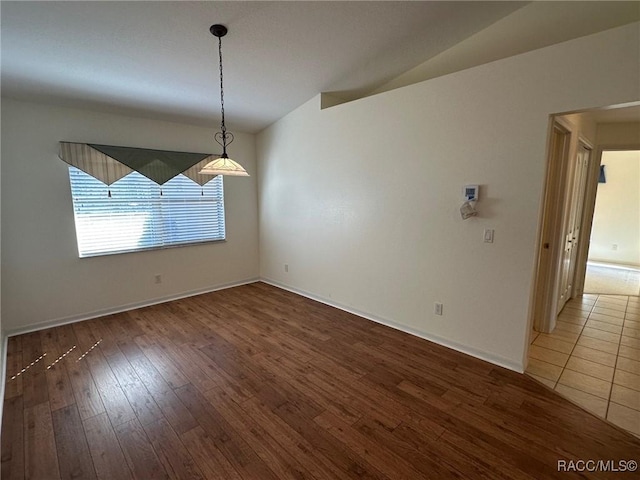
(614, 246)
(158, 279)
(286, 268)
(437, 308)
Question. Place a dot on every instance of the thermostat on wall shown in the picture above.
(471, 193)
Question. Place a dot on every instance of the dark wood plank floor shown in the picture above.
(255, 382)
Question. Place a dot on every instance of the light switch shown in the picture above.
(488, 235)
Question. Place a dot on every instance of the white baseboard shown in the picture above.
(614, 265)
(474, 352)
(122, 308)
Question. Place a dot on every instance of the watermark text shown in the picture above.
(597, 465)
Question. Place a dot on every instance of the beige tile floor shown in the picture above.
(593, 357)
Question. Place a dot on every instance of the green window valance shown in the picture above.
(110, 163)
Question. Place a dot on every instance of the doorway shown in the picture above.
(562, 260)
(590, 351)
(613, 262)
(562, 245)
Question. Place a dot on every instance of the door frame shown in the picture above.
(540, 307)
(554, 208)
(550, 227)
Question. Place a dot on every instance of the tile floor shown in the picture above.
(593, 357)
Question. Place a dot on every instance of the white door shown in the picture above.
(573, 221)
(584, 158)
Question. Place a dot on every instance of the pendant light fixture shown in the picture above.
(222, 165)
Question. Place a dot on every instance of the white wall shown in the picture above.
(615, 235)
(361, 200)
(44, 280)
(615, 135)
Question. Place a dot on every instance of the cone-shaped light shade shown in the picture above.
(223, 166)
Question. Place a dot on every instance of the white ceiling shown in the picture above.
(158, 59)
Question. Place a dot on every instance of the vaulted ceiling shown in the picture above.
(158, 59)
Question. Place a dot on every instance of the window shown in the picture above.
(136, 214)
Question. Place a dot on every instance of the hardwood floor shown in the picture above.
(255, 382)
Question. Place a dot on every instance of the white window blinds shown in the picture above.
(135, 213)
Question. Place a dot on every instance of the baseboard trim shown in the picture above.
(618, 266)
(123, 308)
(474, 352)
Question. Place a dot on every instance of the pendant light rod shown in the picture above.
(220, 31)
(223, 165)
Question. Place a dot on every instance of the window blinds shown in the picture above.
(136, 214)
